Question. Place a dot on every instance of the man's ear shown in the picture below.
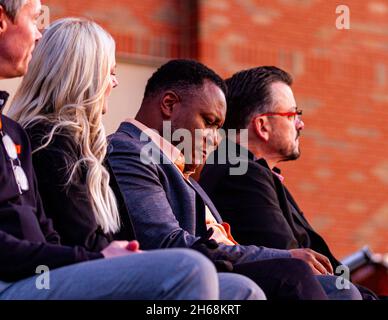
(261, 127)
(3, 20)
(169, 101)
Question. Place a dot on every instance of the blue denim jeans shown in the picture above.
(178, 274)
(329, 286)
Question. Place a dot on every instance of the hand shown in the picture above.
(120, 248)
(318, 262)
(209, 247)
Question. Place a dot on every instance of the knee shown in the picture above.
(354, 293)
(253, 291)
(258, 294)
(194, 260)
(238, 287)
(346, 290)
(338, 288)
(194, 265)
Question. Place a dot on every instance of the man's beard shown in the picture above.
(288, 155)
(293, 154)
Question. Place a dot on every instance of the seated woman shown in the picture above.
(60, 103)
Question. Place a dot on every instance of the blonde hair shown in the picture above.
(65, 86)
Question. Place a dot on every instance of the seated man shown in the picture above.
(256, 203)
(28, 243)
(168, 209)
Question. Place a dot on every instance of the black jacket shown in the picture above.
(68, 205)
(259, 208)
(27, 238)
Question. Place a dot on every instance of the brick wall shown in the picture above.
(341, 180)
(341, 83)
(146, 31)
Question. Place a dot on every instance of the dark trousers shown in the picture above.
(283, 279)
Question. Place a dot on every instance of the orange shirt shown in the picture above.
(221, 231)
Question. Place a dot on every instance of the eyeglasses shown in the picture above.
(295, 116)
(11, 150)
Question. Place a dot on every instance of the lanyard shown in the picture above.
(13, 151)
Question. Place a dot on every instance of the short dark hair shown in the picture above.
(249, 93)
(181, 74)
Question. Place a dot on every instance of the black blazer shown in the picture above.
(69, 206)
(259, 208)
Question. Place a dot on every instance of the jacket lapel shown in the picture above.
(298, 214)
(205, 199)
(282, 194)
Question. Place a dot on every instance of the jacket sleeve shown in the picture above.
(150, 211)
(69, 206)
(250, 204)
(154, 221)
(20, 258)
